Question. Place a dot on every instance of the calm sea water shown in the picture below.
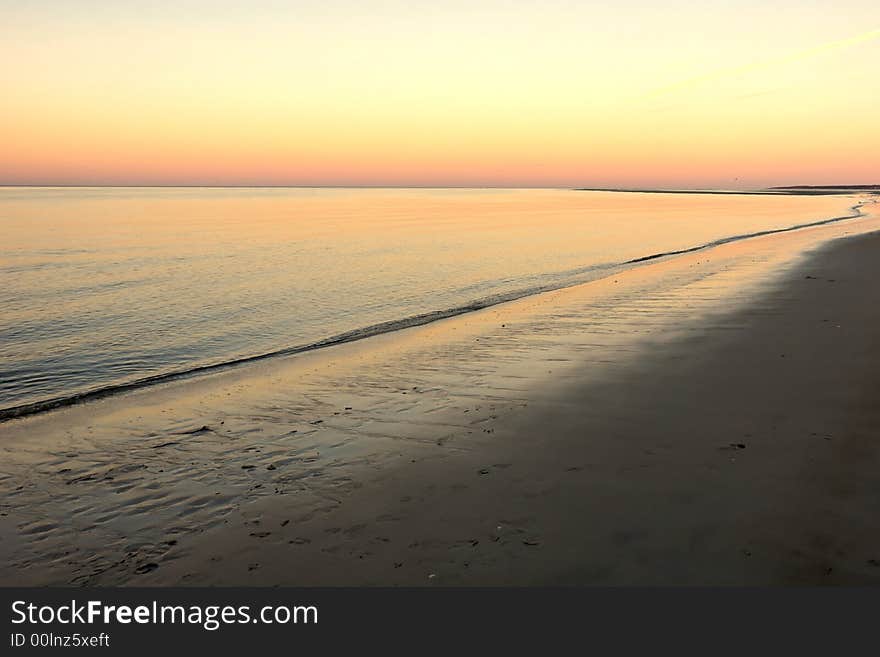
(103, 286)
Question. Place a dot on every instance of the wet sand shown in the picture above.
(705, 419)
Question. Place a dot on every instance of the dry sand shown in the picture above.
(706, 419)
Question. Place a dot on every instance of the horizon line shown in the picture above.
(392, 186)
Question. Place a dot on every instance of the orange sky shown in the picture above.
(455, 93)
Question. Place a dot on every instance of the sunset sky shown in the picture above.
(517, 93)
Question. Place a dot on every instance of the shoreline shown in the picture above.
(617, 432)
(602, 270)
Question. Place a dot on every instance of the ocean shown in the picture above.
(105, 289)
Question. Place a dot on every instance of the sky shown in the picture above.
(629, 93)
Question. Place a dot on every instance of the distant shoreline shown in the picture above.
(795, 190)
